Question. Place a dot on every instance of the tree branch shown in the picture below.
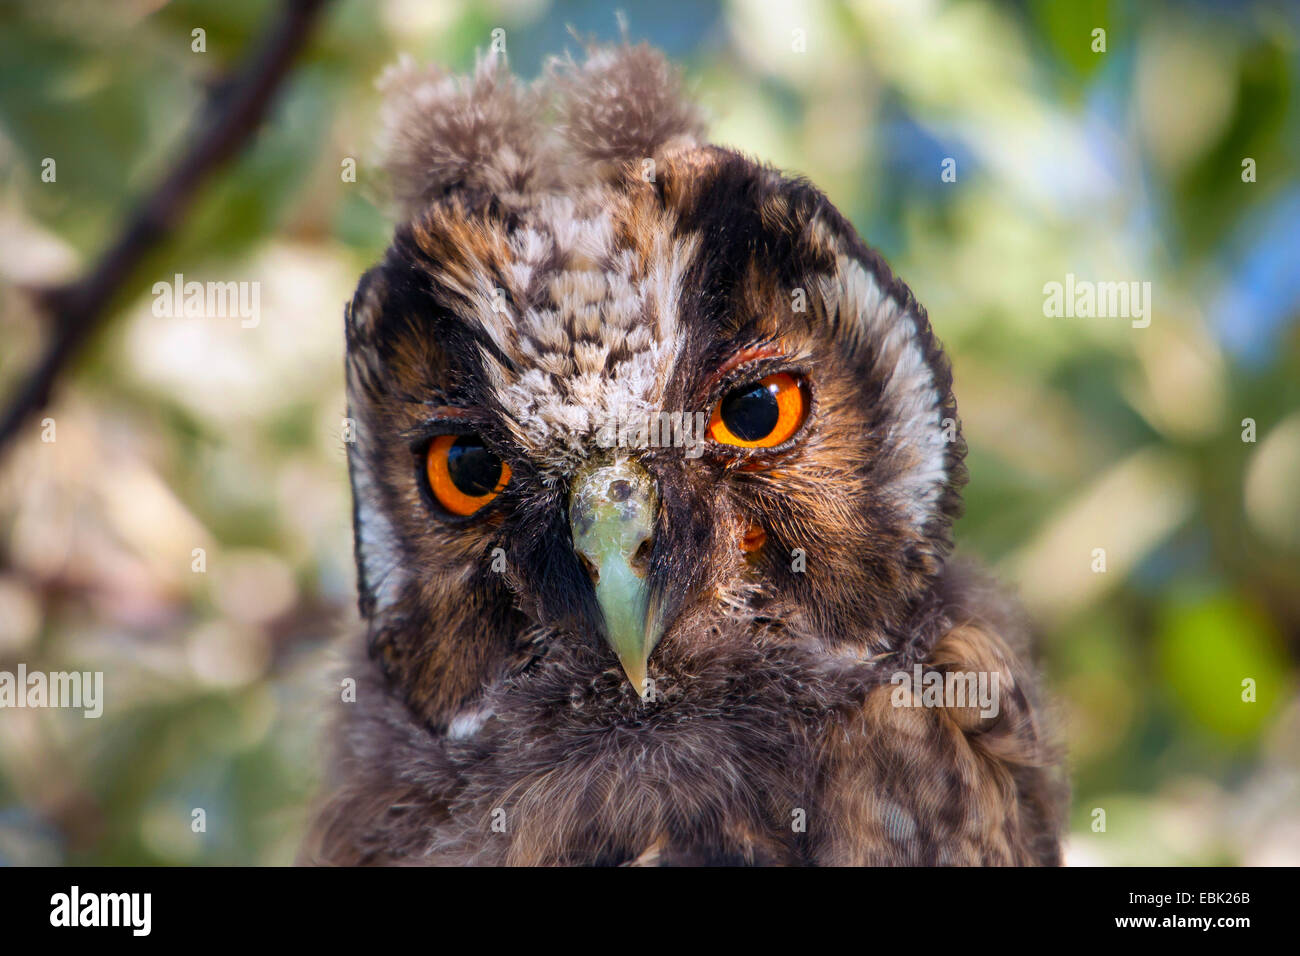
(224, 126)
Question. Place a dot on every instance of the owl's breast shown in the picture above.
(719, 764)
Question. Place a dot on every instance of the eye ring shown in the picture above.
(462, 474)
(760, 414)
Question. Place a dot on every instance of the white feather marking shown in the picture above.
(468, 723)
(867, 313)
(381, 557)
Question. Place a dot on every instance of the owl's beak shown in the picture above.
(612, 512)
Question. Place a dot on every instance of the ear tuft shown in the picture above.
(624, 103)
(443, 132)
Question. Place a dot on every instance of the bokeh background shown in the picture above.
(175, 434)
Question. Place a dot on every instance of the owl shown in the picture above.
(654, 469)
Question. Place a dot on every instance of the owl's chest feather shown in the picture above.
(795, 766)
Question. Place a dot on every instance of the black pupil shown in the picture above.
(750, 412)
(473, 469)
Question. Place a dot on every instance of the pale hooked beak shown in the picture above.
(612, 511)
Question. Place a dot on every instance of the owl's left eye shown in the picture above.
(463, 474)
(761, 414)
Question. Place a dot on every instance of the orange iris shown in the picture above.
(463, 475)
(748, 418)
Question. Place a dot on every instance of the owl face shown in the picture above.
(620, 390)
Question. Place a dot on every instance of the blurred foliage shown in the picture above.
(178, 434)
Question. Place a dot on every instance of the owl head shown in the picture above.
(618, 389)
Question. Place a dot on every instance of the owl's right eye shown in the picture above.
(762, 414)
(463, 474)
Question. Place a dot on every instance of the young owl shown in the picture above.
(654, 469)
